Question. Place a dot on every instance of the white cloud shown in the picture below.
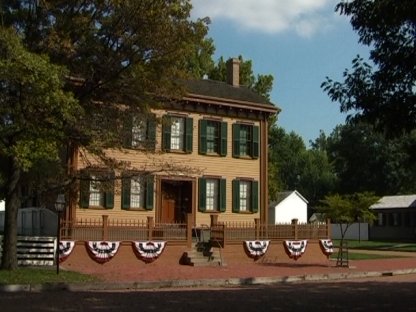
(304, 17)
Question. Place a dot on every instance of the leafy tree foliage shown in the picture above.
(34, 113)
(383, 95)
(348, 209)
(117, 54)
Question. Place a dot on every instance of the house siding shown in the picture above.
(227, 167)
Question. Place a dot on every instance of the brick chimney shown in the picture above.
(233, 72)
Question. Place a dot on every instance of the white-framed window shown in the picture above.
(212, 194)
(96, 197)
(245, 190)
(138, 133)
(97, 190)
(177, 133)
(137, 193)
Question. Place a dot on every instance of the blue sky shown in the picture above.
(299, 42)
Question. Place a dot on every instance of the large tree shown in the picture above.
(382, 93)
(34, 113)
(118, 54)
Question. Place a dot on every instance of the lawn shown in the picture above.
(39, 275)
(379, 245)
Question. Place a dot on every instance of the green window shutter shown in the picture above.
(236, 140)
(254, 196)
(109, 194)
(166, 130)
(202, 136)
(202, 183)
(188, 134)
(84, 192)
(255, 142)
(223, 139)
(149, 192)
(151, 131)
(236, 196)
(125, 193)
(127, 133)
(222, 195)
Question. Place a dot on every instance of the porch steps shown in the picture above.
(202, 254)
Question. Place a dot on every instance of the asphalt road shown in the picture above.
(396, 293)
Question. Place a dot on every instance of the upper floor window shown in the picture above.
(245, 196)
(141, 132)
(212, 194)
(245, 140)
(177, 133)
(212, 137)
(97, 190)
(137, 192)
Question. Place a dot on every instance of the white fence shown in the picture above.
(356, 231)
(37, 251)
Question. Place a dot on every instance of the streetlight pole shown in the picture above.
(59, 207)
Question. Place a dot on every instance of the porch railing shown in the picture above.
(184, 233)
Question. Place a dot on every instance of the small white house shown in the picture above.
(2, 205)
(289, 205)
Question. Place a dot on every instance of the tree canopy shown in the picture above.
(382, 93)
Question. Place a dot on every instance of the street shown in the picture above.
(372, 294)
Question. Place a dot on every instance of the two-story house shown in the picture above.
(206, 155)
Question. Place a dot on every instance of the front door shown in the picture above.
(176, 201)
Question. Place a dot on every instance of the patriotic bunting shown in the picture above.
(256, 249)
(102, 251)
(148, 251)
(295, 249)
(327, 246)
(65, 249)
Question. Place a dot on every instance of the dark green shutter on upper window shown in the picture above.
(236, 140)
(84, 192)
(255, 142)
(125, 193)
(127, 133)
(254, 196)
(223, 139)
(149, 192)
(188, 134)
(166, 131)
(151, 131)
(202, 136)
(236, 196)
(222, 195)
(202, 202)
(109, 193)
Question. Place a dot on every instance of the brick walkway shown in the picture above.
(157, 272)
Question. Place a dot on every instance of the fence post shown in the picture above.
(150, 226)
(328, 228)
(214, 219)
(257, 227)
(295, 228)
(105, 227)
(189, 225)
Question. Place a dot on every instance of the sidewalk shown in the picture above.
(154, 276)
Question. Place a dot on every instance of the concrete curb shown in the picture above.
(199, 282)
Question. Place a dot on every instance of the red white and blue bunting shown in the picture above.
(295, 249)
(327, 246)
(102, 251)
(148, 251)
(65, 249)
(256, 249)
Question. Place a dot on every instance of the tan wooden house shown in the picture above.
(207, 156)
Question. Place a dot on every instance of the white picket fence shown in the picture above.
(34, 250)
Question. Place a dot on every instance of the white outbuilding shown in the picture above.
(289, 205)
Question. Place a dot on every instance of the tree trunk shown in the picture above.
(9, 257)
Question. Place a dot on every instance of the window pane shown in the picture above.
(245, 195)
(212, 194)
(136, 194)
(245, 140)
(212, 137)
(177, 133)
(96, 196)
(138, 133)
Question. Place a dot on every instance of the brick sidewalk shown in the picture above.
(158, 272)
